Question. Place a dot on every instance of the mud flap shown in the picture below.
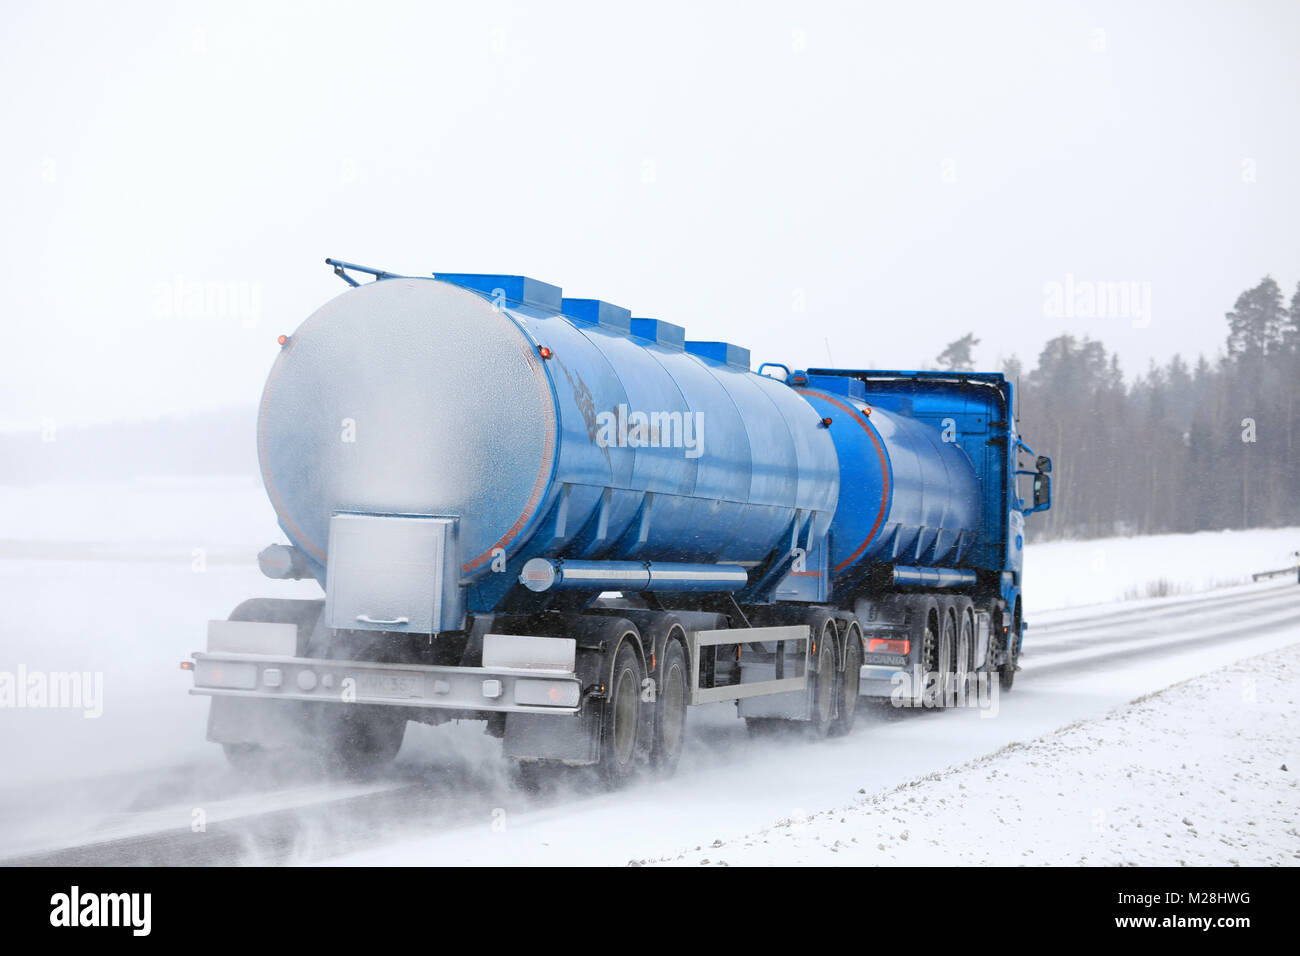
(569, 738)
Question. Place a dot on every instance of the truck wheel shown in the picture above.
(359, 740)
(824, 681)
(948, 650)
(937, 654)
(965, 648)
(670, 708)
(1007, 672)
(248, 758)
(1007, 675)
(850, 682)
(620, 730)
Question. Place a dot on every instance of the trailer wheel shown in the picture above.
(937, 654)
(358, 740)
(850, 682)
(620, 731)
(964, 650)
(949, 651)
(670, 708)
(248, 758)
(824, 683)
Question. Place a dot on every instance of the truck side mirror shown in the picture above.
(1044, 464)
(1042, 490)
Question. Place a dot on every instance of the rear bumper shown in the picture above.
(494, 689)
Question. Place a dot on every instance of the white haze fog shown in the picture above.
(856, 182)
(848, 184)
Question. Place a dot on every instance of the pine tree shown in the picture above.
(958, 355)
(1291, 330)
(1172, 450)
(1256, 322)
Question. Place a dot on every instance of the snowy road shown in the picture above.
(447, 800)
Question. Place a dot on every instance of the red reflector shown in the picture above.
(544, 352)
(878, 645)
(282, 339)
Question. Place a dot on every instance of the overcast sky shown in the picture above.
(855, 183)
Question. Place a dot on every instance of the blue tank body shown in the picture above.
(566, 429)
(914, 498)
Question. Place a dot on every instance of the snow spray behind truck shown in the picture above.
(572, 524)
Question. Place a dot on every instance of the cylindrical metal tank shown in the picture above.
(417, 396)
(906, 495)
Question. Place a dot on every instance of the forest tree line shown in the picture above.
(1185, 447)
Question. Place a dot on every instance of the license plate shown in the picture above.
(398, 686)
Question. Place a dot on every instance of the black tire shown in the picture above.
(358, 740)
(1007, 672)
(964, 651)
(670, 708)
(248, 758)
(948, 649)
(620, 732)
(850, 683)
(823, 682)
(937, 654)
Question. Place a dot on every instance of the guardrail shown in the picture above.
(1293, 569)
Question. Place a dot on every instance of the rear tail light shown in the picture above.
(878, 645)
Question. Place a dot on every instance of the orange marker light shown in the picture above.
(544, 352)
(282, 339)
(826, 423)
(187, 665)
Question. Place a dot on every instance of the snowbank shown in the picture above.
(1062, 574)
(1204, 773)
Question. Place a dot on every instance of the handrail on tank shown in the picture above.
(781, 365)
(340, 266)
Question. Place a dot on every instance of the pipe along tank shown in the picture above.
(570, 445)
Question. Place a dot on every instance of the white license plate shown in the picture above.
(395, 686)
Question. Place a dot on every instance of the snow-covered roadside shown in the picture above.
(1204, 773)
(1063, 574)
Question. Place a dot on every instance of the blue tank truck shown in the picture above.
(572, 524)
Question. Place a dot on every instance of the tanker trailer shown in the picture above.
(572, 524)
